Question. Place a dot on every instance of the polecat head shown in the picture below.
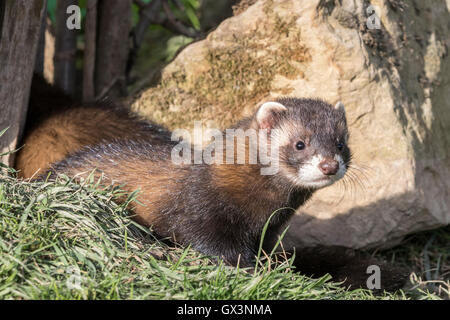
(312, 137)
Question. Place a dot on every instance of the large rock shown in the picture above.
(394, 81)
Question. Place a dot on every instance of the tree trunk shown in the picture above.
(90, 37)
(2, 14)
(114, 25)
(40, 55)
(65, 49)
(19, 40)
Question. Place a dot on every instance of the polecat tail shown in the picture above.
(58, 126)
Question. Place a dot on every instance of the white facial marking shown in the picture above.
(310, 172)
(310, 175)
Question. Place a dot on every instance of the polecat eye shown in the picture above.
(300, 145)
(340, 146)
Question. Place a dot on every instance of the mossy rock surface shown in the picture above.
(224, 77)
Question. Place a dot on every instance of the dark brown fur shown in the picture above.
(218, 209)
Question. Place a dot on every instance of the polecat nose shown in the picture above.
(329, 167)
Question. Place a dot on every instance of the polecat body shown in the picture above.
(219, 209)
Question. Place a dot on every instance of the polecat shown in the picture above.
(219, 209)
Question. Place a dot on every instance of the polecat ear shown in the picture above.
(340, 107)
(266, 112)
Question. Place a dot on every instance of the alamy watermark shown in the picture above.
(73, 22)
(236, 146)
(74, 280)
(374, 280)
(373, 20)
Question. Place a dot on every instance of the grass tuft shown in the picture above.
(61, 240)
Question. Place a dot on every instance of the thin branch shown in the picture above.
(148, 14)
(174, 25)
(151, 13)
(103, 94)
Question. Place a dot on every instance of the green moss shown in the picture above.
(240, 75)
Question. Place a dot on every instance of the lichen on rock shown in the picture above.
(235, 72)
